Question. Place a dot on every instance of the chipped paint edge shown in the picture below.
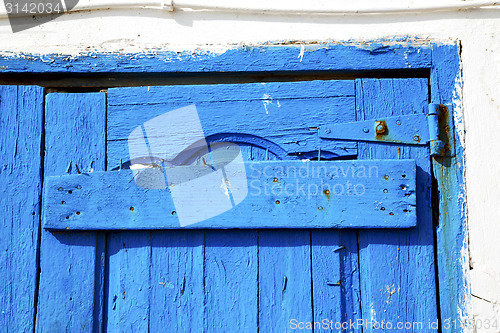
(406, 53)
(452, 232)
(181, 56)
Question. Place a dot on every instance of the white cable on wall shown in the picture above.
(229, 6)
(325, 9)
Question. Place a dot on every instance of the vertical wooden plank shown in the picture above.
(397, 266)
(231, 280)
(155, 279)
(21, 112)
(230, 276)
(284, 280)
(74, 143)
(451, 234)
(335, 278)
(128, 303)
(177, 280)
(285, 295)
(177, 292)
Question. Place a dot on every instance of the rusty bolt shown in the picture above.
(380, 127)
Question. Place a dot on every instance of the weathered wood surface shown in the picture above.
(265, 58)
(178, 294)
(21, 125)
(281, 194)
(451, 233)
(280, 116)
(237, 280)
(71, 280)
(397, 266)
(336, 279)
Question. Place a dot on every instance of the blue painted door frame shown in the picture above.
(442, 61)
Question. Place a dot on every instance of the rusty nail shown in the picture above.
(380, 127)
(398, 122)
(339, 248)
(330, 283)
(416, 138)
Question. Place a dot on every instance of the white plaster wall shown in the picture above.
(478, 30)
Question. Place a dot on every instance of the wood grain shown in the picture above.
(397, 266)
(368, 55)
(71, 280)
(21, 125)
(280, 116)
(281, 194)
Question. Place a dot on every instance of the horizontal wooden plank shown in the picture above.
(245, 113)
(323, 57)
(269, 194)
(265, 91)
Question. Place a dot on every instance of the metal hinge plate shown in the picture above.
(434, 128)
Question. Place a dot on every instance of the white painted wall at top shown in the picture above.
(477, 29)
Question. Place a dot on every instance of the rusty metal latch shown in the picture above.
(434, 128)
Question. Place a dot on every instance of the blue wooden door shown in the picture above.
(240, 280)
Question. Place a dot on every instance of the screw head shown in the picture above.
(380, 127)
(328, 131)
(366, 130)
(398, 122)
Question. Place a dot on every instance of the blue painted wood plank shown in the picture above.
(129, 292)
(177, 283)
(270, 92)
(267, 115)
(284, 282)
(70, 275)
(231, 281)
(451, 234)
(322, 57)
(397, 266)
(277, 194)
(336, 280)
(21, 110)
(168, 267)
(285, 294)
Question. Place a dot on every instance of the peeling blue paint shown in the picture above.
(442, 60)
(319, 57)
